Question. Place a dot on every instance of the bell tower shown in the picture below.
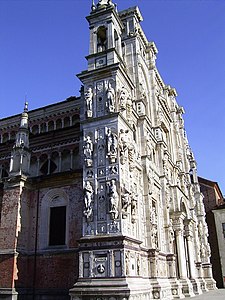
(111, 171)
(105, 35)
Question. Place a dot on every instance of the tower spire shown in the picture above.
(20, 155)
(93, 6)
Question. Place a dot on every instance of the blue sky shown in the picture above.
(43, 45)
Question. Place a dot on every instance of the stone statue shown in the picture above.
(110, 98)
(123, 145)
(154, 237)
(170, 235)
(88, 151)
(153, 216)
(88, 98)
(88, 194)
(134, 201)
(123, 99)
(111, 140)
(113, 199)
(125, 199)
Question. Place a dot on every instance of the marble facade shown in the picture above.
(141, 231)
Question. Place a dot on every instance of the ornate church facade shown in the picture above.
(99, 195)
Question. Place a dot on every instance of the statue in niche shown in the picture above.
(160, 115)
(150, 177)
(88, 99)
(126, 201)
(111, 140)
(131, 154)
(200, 230)
(88, 194)
(110, 98)
(134, 200)
(88, 151)
(123, 145)
(123, 99)
(113, 199)
(154, 237)
(127, 262)
(170, 235)
(129, 108)
(203, 252)
(101, 154)
(152, 59)
(166, 165)
(153, 216)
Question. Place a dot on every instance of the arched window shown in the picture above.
(58, 124)
(43, 127)
(5, 137)
(50, 125)
(54, 219)
(101, 39)
(66, 122)
(35, 129)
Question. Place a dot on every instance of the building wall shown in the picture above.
(219, 216)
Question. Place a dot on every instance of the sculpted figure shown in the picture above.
(88, 150)
(111, 142)
(123, 145)
(88, 98)
(154, 237)
(113, 199)
(153, 216)
(88, 192)
(125, 198)
(110, 98)
(123, 99)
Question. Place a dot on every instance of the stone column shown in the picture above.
(111, 263)
(122, 263)
(71, 159)
(191, 256)
(110, 40)
(178, 227)
(60, 161)
(81, 265)
(181, 253)
(49, 162)
(38, 166)
(190, 248)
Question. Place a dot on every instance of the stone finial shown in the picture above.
(25, 107)
(104, 2)
(93, 6)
